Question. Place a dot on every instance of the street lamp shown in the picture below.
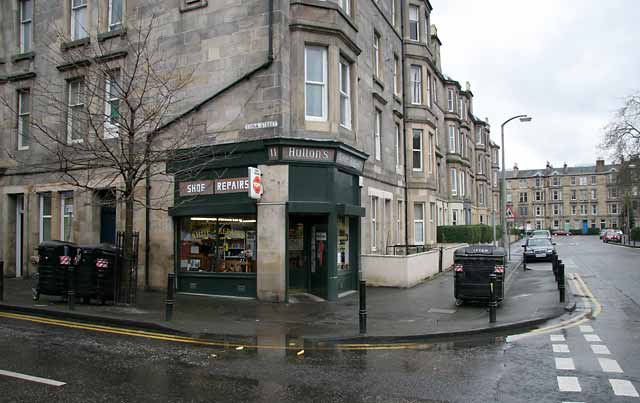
(503, 210)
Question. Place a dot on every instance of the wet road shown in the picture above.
(100, 367)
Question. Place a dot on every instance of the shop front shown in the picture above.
(228, 244)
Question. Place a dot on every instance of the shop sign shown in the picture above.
(296, 153)
(255, 181)
(350, 161)
(232, 185)
(218, 186)
(196, 188)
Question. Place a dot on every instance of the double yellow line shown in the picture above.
(205, 342)
(596, 309)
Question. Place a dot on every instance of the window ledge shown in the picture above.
(73, 65)
(121, 32)
(379, 82)
(75, 44)
(397, 98)
(184, 6)
(23, 56)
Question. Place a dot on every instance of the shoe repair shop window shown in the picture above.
(218, 244)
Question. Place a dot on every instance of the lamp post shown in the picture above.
(503, 206)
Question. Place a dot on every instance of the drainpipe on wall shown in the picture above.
(404, 129)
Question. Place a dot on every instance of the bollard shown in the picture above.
(71, 291)
(493, 304)
(524, 264)
(1, 281)
(558, 263)
(554, 265)
(170, 301)
(440, 260)
(363, 307)
(561, 280)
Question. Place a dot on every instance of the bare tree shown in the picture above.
(622, 135)
(104, 126)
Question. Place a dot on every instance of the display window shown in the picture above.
(218, 244)
(343, 244)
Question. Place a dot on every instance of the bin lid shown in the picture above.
(56, 244)
(103, 247)
(480, 250)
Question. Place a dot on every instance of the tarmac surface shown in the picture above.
(589, 355)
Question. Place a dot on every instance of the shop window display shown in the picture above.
(343, 243)
(218, 244)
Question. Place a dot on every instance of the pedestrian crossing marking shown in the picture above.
(560, 348)
(556, 337)
(586, 329)
(610, 365)
(565, 363)
(592, 337)
(623, 388)
(600, 349)
(569, 384)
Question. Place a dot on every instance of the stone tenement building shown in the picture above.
(362, 140)
(566, 198)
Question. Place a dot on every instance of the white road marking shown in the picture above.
(569, 384)
(31, 378)
(557, 337)
(592, 337)
(560, 348)
(586, 329)
(610, 365)
(600, 349)
(623, 388)
(565, 363)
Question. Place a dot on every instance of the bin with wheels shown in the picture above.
(472, 266)
(54, 260)
(96, 272)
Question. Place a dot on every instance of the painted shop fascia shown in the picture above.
(303, 236)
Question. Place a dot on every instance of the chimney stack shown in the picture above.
(515, 169)
(599, 165)
(564, 167)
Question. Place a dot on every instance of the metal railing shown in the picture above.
(404, 250)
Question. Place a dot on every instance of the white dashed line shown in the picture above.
(569, 384)
(565, 363)
(560, 348)
(556, 337)
(31, 378)
(600, 349)
(610, 365)
(586, 329)
(592, 337)
(623, 388)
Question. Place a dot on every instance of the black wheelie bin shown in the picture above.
(55, 258)
(96, 272)
(472, 266)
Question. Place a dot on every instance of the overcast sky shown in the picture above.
(566, 63)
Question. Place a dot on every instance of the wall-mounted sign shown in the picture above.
(217, 186)
(232, 185)
(255, 181)
(196, 188)
(261, 125)
(350, 161)
(297, 153)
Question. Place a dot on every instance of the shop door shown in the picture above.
(307, 255)
(318, 270)
(297, 255)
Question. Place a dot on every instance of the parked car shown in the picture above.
(541, 233)
(538, 249)
(612, 235)
(561, 232)
(602, 232)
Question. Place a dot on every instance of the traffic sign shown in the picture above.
(508, 213)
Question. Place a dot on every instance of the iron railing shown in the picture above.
(404, 250)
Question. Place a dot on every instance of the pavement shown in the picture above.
(424, 311)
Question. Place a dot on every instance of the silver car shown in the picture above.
(541, 233)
